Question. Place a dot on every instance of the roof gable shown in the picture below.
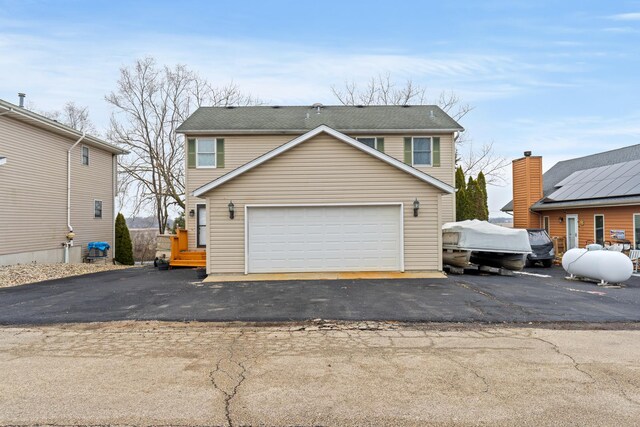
(340, 137)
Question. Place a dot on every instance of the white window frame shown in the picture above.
(633, 222)
(82, 147)
(595, 237)
(548, 227)
(215, 153)
(375, 139)
(566, 221)
(413, 163)
(200, 244)
(101, 209)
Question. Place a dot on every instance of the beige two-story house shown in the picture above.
(54, 180)
(319, 188)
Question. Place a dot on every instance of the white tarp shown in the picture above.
(478, 235)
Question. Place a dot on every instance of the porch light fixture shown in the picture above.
(192, 213)
(232, 209)
(560, 220)
(416, 206)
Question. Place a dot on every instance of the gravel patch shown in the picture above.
(22, 274)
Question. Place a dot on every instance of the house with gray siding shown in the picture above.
(57, 189)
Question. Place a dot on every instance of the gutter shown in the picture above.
(33, 116)
(69, 181)
(70, 234)
(302, 131)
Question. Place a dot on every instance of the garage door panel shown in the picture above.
(327, 238)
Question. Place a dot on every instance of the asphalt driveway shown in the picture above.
(538, 295)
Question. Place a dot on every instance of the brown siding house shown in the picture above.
(591, 199)
(322, 188)
(33, 196)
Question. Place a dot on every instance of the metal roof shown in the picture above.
(8, 109)
(301, 119)
(564, 169)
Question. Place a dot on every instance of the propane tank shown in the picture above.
(605, 266)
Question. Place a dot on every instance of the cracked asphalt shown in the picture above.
(539, 295)
(318, 373)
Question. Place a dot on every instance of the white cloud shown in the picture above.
(68, 65)
(632, 16)
(81, 66)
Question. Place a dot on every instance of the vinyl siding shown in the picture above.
(615, 218)
(323, 170)
(240, 149)
(394, 146)
(33, 212)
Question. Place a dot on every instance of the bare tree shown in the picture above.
(483, 160)
(150, 102)
(74, 116)
(382, 90)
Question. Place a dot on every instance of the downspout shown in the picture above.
(70, 234)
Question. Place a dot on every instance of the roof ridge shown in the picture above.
(231, 107)
(597, 154)
(25, 112)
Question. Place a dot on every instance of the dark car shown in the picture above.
(542, 248)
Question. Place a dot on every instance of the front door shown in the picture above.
(572, 231)
(201, 226)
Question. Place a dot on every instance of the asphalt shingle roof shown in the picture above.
(305, 118)
(564, 169)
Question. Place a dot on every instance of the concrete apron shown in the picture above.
(349, 275)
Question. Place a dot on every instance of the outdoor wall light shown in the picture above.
(416, 206)
(192, 213)
(232, 209)
(560, 220)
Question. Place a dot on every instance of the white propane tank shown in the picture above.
(606, 266)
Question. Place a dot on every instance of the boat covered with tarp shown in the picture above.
(482, 243)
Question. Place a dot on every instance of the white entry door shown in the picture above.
(324, 238)
(572, 231)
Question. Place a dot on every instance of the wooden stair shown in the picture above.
(181, 256)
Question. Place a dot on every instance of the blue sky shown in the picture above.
(560, 78)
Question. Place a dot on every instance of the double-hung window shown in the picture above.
(85, 155)
(97, 208)
(371, 141)
(206, 153)
(421, 151)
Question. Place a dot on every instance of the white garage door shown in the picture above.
(324, 238)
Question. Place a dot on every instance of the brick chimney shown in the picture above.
(527, 189)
